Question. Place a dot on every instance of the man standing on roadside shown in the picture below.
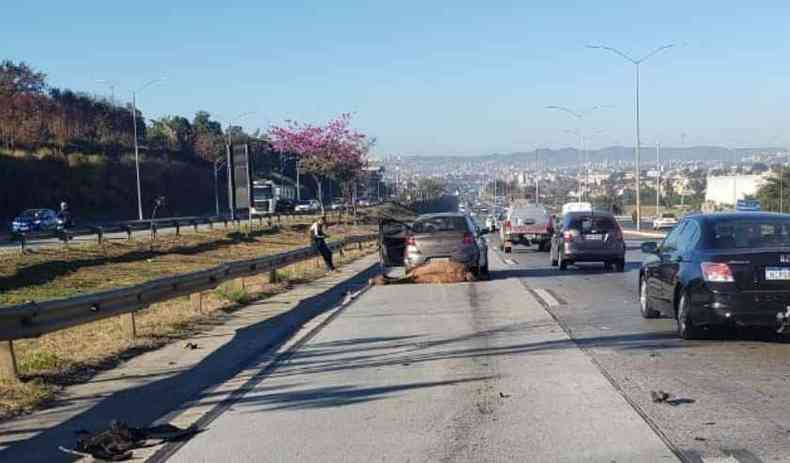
(318, 238)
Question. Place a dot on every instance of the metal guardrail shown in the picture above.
(153, 225)
(33, 319)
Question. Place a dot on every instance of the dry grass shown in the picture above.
(75, 355)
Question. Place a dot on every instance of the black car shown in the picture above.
(716, 270)
(588, 237)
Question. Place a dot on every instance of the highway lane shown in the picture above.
(472, 372)
(739, 385)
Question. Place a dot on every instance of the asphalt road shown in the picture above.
(534, 365)
(463, 372)
(737, 386)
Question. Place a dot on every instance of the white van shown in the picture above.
(576, 207)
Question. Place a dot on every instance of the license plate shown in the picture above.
(593, 237)
(440, 259)
(777, 273)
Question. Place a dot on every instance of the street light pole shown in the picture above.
(579, 115)
(636, 63)
(136, 146)
(658, 179)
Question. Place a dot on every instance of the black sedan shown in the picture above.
(716, 270)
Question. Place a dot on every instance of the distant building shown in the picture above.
(727, 189)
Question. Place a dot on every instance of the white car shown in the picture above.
(665, 222)
(308, 206)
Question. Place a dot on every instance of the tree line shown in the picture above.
(35, 116)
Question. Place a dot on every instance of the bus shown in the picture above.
(268, 197)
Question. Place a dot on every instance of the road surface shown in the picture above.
(534, 365)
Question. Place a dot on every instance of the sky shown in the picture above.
(431, 77)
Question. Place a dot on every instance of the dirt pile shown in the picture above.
(432, 272)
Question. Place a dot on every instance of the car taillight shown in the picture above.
(617, 233)
(468, 238)
(717, 272)
(410, 241)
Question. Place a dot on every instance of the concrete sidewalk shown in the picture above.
(460, 372)
(149, 387)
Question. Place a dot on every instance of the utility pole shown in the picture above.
(136, 146)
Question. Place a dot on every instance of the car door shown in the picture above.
(667, 267)
(392, 242)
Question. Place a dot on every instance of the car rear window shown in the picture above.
(529, 216)
(592, 222)
(438, 224)
(750, 233)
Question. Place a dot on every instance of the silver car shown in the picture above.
(447, 237)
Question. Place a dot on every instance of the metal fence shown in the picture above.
(129, 227)
(34, 319)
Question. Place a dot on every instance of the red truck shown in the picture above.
(527, 224)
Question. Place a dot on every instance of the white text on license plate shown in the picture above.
(440, 259)
(777, 273)
(593, 237)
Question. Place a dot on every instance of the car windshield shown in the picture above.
(750, 233)
(667, 216)
(440, 224)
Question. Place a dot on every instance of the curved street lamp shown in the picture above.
(636, 62)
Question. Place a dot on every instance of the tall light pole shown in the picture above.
(579, 116)
(636, 63)
(658, 179)
(136, 146)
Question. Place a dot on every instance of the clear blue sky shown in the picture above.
(429, 77)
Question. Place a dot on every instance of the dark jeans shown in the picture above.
(326, 253)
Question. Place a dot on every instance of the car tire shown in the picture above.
(562, 263)
(553, 259)
(508, 249)
(619, 266)
(644, 301)
(685, 326)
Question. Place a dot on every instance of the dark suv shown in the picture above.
(588, 237)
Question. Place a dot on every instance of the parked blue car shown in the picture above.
(34, 220)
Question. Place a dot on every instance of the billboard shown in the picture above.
(239, 182)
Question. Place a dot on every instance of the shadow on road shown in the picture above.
(573, 271)
(164, 395)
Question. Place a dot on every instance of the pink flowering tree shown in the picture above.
(334, 151)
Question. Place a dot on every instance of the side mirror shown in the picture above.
(649, 247)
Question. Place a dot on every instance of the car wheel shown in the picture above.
(508, 249)
(563, 263)
(644, 301)
(553, 259)
(686, 328)
(484, 271)
(619, 265)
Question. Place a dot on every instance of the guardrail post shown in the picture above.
(99, 235)
(178, 228)
(153, 231)
(22, 243)
(129, 325)
(195, 224)
(129, 233)
(8, 367)
(359, 245)
(273, 276)
(197, 301)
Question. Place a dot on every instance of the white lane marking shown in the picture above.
(547, 297)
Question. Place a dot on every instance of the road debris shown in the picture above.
(666, 398)
(117, 442)
(191, 346)
(503, 395)
(432, 272)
